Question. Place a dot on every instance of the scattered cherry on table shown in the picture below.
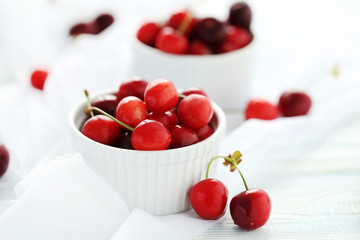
(4, 159)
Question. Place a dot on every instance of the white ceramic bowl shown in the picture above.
(224, 77)
(155, 181)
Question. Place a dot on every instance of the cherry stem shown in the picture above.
(108, 115)
(232, 162)
(185, 23)
(88, 102)
(182, 96)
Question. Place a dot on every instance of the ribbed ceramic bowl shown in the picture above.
(224, 77)
(155, 181)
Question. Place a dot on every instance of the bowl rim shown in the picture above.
(221, 118)
(211, 57)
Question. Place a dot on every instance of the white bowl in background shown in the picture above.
(155, 181)
(224, 77)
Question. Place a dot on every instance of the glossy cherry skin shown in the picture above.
(168, 119)
(4, 159)
(38, 78)
(170, 41)
(250, 209)
(238, 36)
(102, 129)
(160, 95)
(194, 90)
(103, 21)
(211, 31)
(240, 15)
(204, 132)
(150, 135)
(131, 111)
(261, 109)
(133, 86)
(107, 103)
(182, 136)
(209, 198)
(195, 111)
(177, 18)
(147, 33)
(199, 48)
(294, 104)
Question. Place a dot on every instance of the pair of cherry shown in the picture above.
(184, 34)
(249, 209)
(150, 116)
(96, 26)
(291, 104)
(4, 159)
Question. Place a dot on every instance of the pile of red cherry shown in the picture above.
(249, 209)
(149, 116)
(291, 104)
(182, 33)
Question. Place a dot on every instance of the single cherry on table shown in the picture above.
(294, 103)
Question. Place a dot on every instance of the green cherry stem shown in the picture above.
(232, 162)
(182, 96)
(185, 23)
(88, 103)
(108, 115)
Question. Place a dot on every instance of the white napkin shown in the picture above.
(65, 201)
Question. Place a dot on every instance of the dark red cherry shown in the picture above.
(4, 159)
(150, 135)
(124, 140)
(182, 136)
(103, 21)
(204, 132)
(250, 209)
(83, 28)
(240, 15)
(211, 30)
(133, 86)
(102, 129)
(294, 104)
(239, 36)
(168, 119)
(107, 103)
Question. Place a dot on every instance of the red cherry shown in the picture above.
(250, 209)
(209, 198)
(194, 90)
(176, 20)
(261, 109)
(204, 132)
(160, 95)
(182, 136)
(102, 129)
(131, 111)
(38, 79)
(4, 159)
(240, 15)
(239, 36)
(199, 48)
(150, 135)
(147, 33)
(226, 47)
(294, 104)
(83, 28)
(134, 86)
(103, 21)
(170, 41)
(195, 111)
(168, 119)
(107, 103)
